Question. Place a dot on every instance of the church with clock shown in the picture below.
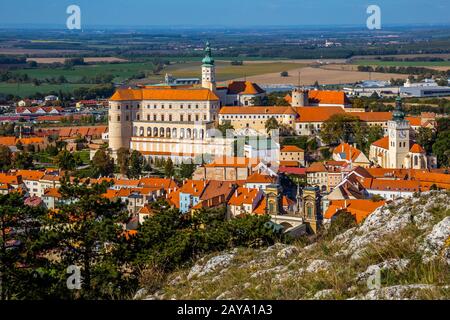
(397, 150)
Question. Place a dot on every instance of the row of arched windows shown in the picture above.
(168, 133)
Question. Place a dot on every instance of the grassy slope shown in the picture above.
(280, 278)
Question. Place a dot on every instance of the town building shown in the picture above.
(350, 155)
(396, 150)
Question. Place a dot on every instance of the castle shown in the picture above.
(177, 122)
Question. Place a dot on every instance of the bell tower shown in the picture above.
(208, 70)
(311, 208)
(272, 193)
(398, 130)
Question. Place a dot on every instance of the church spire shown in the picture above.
(398, 114)
(208, 60)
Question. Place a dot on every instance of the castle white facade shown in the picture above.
(176, 122)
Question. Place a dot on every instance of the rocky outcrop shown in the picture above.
(405, 241)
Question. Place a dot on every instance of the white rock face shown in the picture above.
(318, 265)
(323, 294)
(433, 245)
(221, 261)
(401, 292)
(287, 252)
(393, 264)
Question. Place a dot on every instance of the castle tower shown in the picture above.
(208, 70)
(398, 130)
(120, 124)
(311, 208)
(299, 97)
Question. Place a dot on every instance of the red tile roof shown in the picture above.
(382, 143)
(152, 93)
(316, 167)
(327, 97)
(345, 151)
(290, 148)
(260, 178)
(317, 114)
(359, 208)
(416, 149)
(244, 87)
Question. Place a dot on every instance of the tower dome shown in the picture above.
(208, 60)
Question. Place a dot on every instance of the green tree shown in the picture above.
(441, 148)
(224, 127)
(23, 160)
(87, 232)
(123, 159)
(5, 157)
(19, 235)
(186, 170)
(340, 128)
(169, 169)
(102, 164)
(426, 138)
(136, 164)
(271, 124)
(65, 160)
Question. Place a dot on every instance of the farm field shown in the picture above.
(324, 75)
(121, 71)
(402, 63)
(225, 71)
(86, 59)
(26, 89)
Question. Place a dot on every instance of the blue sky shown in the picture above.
(222, 12)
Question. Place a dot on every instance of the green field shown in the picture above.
(225, 71)
(26, 89)
(402, 63)
(122, 71)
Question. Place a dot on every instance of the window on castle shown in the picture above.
(148, 117)
(170, 117)
(137, 117)
(154, 117)
(118, 107)
(118, 118)
(162, 117)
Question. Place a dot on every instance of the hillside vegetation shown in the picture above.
(405, 244)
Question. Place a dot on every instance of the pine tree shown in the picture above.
(169, 169)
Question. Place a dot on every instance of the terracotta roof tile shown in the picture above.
(148, 93)
(290, 148)
(359, 208)
(244, 87)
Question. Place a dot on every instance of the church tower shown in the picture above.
(208, 70)
(398, 130)
(311, 208)
(273, 198)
